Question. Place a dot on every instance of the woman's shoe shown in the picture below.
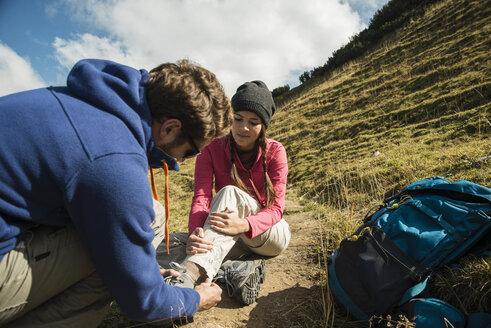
(243, 279)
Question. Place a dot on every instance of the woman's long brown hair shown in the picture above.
(269, 192)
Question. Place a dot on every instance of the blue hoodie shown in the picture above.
(79, 155)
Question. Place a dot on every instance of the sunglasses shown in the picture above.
(191, 152)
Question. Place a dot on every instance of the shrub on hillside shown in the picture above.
(280, 90)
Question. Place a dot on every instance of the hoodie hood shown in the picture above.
(120, 91)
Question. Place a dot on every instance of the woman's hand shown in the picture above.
(196, 244)
(228, 222)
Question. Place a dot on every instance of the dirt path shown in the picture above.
(287, 289)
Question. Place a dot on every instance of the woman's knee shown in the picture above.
(271, 250)
(274, 241)
(275, 247)
(230, 189)
(236, 199)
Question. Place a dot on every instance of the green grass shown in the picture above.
(416, 106)
(421, 100)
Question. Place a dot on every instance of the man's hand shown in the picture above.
(210, 294)
(169, 272)
(196, 244)
(228, 222)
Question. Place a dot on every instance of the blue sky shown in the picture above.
(271, 40)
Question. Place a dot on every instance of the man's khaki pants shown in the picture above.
(49, 280)
(270, 243)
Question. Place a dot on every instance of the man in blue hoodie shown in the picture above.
(77, 224)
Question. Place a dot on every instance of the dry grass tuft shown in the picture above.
(467, 287)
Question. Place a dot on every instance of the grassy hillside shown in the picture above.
(417, 105)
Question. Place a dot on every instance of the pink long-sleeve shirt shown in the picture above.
(214, 164)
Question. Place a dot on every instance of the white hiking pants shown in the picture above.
(270, 243)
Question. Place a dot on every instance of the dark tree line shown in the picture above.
(391, 16)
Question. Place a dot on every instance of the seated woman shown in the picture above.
(249, 173)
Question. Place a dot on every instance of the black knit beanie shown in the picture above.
(255, 97)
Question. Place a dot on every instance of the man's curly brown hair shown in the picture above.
(191, 94)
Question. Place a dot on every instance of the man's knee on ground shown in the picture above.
(158, 224)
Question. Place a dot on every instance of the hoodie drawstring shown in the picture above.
(166, 199)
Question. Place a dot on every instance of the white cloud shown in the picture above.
(68, 52)
(238, 40)
(16, 73)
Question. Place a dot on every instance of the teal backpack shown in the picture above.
(384, 267)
